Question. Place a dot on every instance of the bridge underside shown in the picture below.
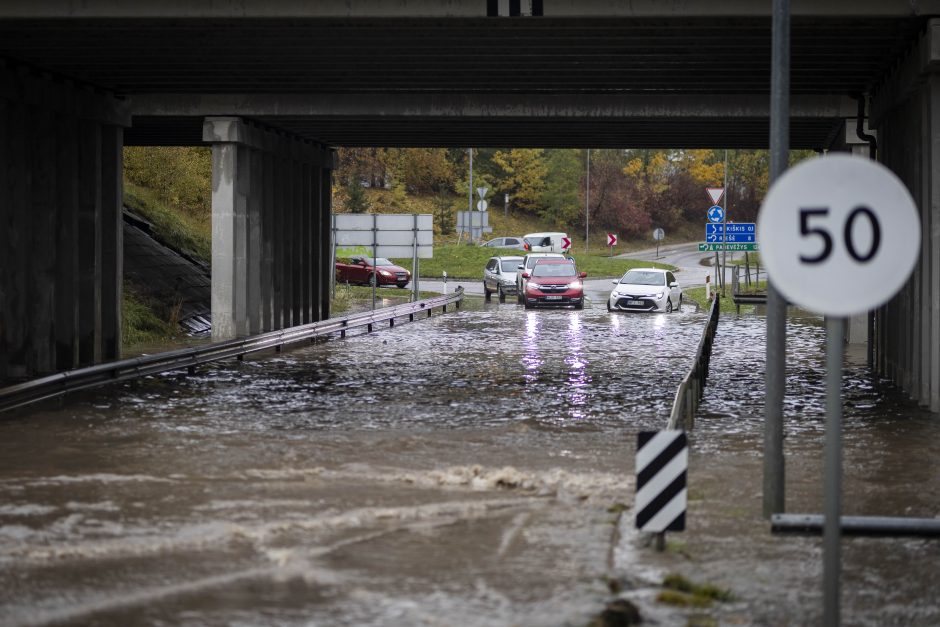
(301, 77)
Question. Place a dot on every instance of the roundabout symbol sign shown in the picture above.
(840, 235)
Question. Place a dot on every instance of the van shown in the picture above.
(543, 242)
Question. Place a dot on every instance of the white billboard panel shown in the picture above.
(394, 235)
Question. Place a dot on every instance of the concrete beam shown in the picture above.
(909, 74)
(63, 97)
(446, 8)
(597, 106)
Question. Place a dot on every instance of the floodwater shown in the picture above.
(463, 470)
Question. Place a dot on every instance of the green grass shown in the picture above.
(140, 323)
(467, 262)
(681, 592)
(185, 232)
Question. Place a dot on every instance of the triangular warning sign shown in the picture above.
(715, 193)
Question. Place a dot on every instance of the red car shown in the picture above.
(554, 282)
(360, 270)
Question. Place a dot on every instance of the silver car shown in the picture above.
(505, 242)
(525, 266)
(646, 289)
(499, 276)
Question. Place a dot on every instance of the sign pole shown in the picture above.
(724, 235)
(414, 259)
(775, 373)
(375, 268)
(832, 487)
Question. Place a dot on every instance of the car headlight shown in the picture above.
(385, 273)
(535, 286)
(574, 285)
(659, 295)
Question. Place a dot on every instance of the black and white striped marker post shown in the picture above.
(662, 459)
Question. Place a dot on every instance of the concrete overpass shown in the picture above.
(272, 85)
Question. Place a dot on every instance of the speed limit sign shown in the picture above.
(839, 234)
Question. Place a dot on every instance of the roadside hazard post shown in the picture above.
(611, 242)
(842, 237)
(662, 460)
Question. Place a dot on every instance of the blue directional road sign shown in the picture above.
(739, 238)
(715, 213)
(714, 237)
(714, 229)
(740, 227)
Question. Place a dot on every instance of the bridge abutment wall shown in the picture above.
(907, 115)
(60, 224)
(271, 206)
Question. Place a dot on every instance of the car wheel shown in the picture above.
(608, 306)
(372, 279)
(679, 306)
(486, 293)
(502, 294)
(668, 306)
(580, 305)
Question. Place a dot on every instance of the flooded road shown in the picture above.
(463, 470)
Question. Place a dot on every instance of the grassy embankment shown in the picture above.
(697, 295)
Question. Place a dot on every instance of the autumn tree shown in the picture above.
(561, 204)
(523, 176)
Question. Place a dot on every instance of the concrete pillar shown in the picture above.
(847, 140)
(264, 253)
(60, 224)
(326, 236)
(111, 236)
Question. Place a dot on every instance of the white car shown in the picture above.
(646, 289)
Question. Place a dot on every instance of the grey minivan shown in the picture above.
(499, 276)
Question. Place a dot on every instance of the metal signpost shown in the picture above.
(716, 217)
(839, 222)
(388, 235)
(658, 236)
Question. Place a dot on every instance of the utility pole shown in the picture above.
(587, 203)
(724, 236)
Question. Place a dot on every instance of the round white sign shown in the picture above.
(658, 234)
(839, 234)
(482, 205)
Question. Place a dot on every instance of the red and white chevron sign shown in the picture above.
(611, 239)
(565, 243)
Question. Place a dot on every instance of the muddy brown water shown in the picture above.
(463, 470)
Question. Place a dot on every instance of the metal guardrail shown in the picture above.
(43, 388)
(689, 394)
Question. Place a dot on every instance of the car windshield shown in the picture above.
(510, 266)
(643, 277)
(531, 261)
(382, 261)
(554, 269)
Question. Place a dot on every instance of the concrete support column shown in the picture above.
(907, 110)
(266, 254)
(60, 225)
(856, 331)
(325, 205)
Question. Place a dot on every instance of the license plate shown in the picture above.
(553, 298)
(635, 303)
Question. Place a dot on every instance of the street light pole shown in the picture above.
(587, 203)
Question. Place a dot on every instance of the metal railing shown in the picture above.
(43, 388)
(689, 394)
